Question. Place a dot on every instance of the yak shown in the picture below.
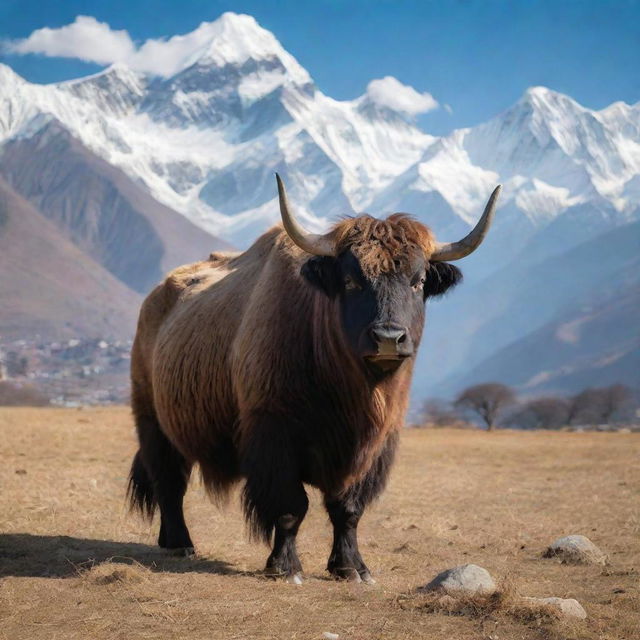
(286, 365)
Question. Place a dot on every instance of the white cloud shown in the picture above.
(165, 57)
(236, 38)
(85, 38)
(391, 93)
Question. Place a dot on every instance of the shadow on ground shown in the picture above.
(23, 554)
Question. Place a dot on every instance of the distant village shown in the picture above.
(81, 371)
(68, 373)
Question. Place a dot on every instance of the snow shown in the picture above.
(235, 38)
(237, 106)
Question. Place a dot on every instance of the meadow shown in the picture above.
(74, 563)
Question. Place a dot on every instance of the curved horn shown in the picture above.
(468, 244)
(318, 245)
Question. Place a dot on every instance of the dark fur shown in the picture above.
(252, 366)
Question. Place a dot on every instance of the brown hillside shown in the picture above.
(107, 215)
(49, 287)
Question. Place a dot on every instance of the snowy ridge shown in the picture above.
(206, 139)
(206, 133)
(234, 39)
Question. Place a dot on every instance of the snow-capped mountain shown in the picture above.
(205, 138)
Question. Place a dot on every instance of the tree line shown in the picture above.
(493, 404)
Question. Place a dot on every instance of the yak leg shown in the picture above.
(170, 489)
(345, 511)
(159, 477)
(274, 498)
(345, 561)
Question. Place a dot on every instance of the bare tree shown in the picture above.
(614, 401)
(438, 413)
(547, 412)
(600, 405)
(486, 400)
(582, 407)
(15, 364)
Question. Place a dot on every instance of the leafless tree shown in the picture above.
(582, 407)
(600, 405)
(547, 412)
(15, 364)
(486, 400)
(438, 413)
(615, 401)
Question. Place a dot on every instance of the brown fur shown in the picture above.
(383, 245)
(225, 344)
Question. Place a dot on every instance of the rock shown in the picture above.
(576, 549)
(330, 636)
(566, 606)
(466, 580)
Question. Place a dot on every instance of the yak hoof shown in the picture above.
(296, 578)
(350, 574)
(347, 574)
(292, 578)
(367, 578)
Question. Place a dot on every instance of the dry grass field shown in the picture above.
(75, 564)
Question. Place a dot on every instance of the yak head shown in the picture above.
(382, 272)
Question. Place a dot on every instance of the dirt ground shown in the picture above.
(75, 564)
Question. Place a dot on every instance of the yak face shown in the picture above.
(381, 310)
(382, 271)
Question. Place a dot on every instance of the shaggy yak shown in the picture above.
(287, 364)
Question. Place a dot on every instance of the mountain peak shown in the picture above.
(235, 38)
(542, 99)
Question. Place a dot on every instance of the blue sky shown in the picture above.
(476, 56)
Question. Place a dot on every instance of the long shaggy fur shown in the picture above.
(382, 245)
(140, 490)
(247, 372)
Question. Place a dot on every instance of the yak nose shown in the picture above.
(389, 338)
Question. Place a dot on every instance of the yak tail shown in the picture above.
(140, 489)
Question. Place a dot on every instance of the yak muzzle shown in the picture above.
(391, 345)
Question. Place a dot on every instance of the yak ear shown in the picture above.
(441, 276)
(322, 273)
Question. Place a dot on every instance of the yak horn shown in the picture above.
(468, 244)
(315, 244)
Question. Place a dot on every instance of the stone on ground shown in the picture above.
(576, 549)
(466, 580)
(568, 607)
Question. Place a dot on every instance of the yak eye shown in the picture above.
(350, 284)
(419, 285)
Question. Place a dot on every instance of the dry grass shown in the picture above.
(75, 564)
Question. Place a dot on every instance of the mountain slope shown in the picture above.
(596, 344)
(227, 116)
(562, 166)
(51, 289)
(96, 155)
(510, 306)
(100, 209)
(206, 139)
